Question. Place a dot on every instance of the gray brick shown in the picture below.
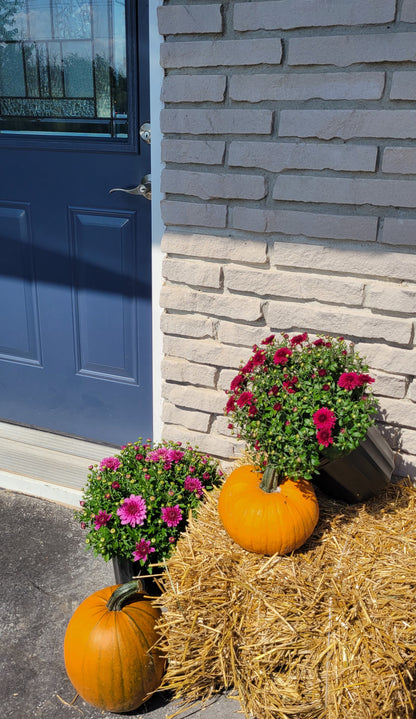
(195, 273)
(210, 185)
(397, 231)
(184, 19)
(279, 156)
(346, 124)
(221, 53)
(216, 122)
(309, 224)
(345, 50)
(193, 88)
(193, 213)
(408, 11)
(201, 152)
(403, 86)
(351, 191)
(405, 465)
(217, 248)
(325, 86)
(174, 297)
(286, 14)
(400, 160)
(300, 286)
(373, 261)
(334, 320)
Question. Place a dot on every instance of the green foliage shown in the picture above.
(274, 399)
(163, 476)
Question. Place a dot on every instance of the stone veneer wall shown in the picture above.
(290, 167)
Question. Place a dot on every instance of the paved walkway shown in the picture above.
(46, 573)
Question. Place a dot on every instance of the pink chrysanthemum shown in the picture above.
(110, 463)
(324, 418)
(193, 484)
(172, 515)
(143, 549)
(349, 380)
(101, 519)
(133, 510)
(324, 436)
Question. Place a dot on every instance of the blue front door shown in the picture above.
(75, 275)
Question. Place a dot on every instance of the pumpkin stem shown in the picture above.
(123, 593)
(271, 479)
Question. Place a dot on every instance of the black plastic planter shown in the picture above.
(125, 570)
(361, 474)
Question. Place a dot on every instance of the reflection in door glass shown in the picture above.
(63, 67)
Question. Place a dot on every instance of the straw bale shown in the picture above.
(327, 632)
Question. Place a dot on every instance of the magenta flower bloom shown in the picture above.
(349, 380)
(172, 515)
(192, 484)
(282, 355)
(245, 398)
(101, 519)
(268, 340)
(143, 549)
(110, 463)
(237, 382)
(324, 436)
(133, 510)
(298, 339)
(324, 418)
(174, 455)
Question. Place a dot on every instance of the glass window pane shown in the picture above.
(63, 67)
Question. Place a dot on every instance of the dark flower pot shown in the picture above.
(125, 570)
(361, 474)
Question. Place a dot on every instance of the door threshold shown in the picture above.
(45, 463)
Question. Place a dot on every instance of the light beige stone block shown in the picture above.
(218, 248)
(296, 285)
(187, 325)
(181, 370)
(230, 306)
(210, 352)
(370, 261)
(337, 320)
(204, 400)
(199, 421)
(346, 124)
(192, 272)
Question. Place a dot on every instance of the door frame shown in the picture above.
(51, 447)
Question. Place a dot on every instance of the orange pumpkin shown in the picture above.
(109, 650)
(265, 517)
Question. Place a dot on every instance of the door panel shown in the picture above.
(75, 275)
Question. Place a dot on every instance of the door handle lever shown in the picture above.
(144, 189)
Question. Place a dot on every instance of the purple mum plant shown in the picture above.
(136, 504)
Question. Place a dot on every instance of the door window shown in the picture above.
(63, 67)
